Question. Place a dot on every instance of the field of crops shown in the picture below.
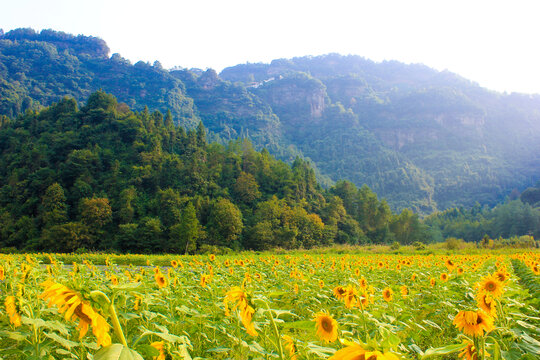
(297, 306)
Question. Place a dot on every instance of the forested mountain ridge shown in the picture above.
(37, 69)
(453, 142)
(104, 177)
(420, 138)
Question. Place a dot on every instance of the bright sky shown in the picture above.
(494, 43)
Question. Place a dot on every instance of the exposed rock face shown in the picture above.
(433, 129)
(347, 90)
(475, 121)
(398, 138)
(292, 95)
(294, 98)
(209, 79)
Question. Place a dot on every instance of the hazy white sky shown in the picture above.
(494, 43)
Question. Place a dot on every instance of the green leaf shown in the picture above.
(302, 325)
(68, 344)
(432, 324)
(219, 349)
(17, 336)
(445, 350)
(320, 351)
(117, 352)
(496, 349)
(51, 325)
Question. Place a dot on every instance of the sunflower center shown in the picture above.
(490, 286)
(326, 324)
(81, 315)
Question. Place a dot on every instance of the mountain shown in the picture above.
(100, 176)
(420, 138)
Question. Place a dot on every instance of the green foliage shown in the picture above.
(37, 69)
(513, 218)
(420, 138)
(104, 177)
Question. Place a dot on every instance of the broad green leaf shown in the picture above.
(432, 324)
(117, 352)
(17, 336)
(219, 349)
(445, 350)
(68, 344)
(320, 351)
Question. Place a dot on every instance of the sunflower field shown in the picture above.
(295, 306)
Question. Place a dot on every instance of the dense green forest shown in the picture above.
(420, 138)
(105, 177)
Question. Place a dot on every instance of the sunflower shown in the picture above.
(352, 352)
(246, 315)
(321, 284)
(469, 351)
(2, 273)
(404, 290)
(326, 327)
(486, 303)
(413, 277)
(137, 303)
(387, 294)
(160, 346)
(296, 288)
(205, 279)
(450, 265)
(357, 272)
(357, 352)
(502, 275)
(444, 277)
(339, 292)
(212, 257)
(490, 285)
(237, 295)
(351, 297)
(364, 300)
(290, 347)
(432, 281)
(160, 280)
(473, 323)
(460, 271)
(174, 264)
(114, 280)
(363, 283)
(11, 310)
(75, 308)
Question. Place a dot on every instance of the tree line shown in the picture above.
(102, 176)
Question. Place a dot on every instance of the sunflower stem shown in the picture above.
(276, 332)
(116, 325)
(483, 347)
(364, 320)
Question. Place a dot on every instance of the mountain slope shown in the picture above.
(454, 142)
(421, 138)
